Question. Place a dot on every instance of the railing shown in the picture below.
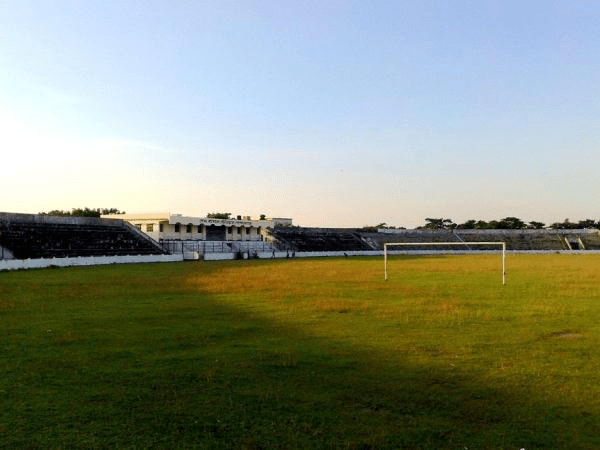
(141, 235)
(202, 247)
(278, 242)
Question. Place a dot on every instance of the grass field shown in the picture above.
(315, 353)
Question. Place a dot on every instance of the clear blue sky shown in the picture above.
(334, 113)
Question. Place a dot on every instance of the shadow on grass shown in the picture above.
(200, 374)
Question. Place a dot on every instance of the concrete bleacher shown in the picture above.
(515, 239)
(518, 240)
(584, 239)
(377, 240)
(319, 239)
(30, 236)
(33, 236)
(544, 239)
(591, 240)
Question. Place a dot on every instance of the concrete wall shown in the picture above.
(280, 255)
(218, 256)
(14, 264)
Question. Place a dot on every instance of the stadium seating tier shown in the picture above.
(29, 236)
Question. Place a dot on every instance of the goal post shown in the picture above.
(414, 244)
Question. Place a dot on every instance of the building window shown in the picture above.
(240, 230)
(188, 228)
(150, 227)
(247, 230)
(161, 227)
(230, 230)
(177, 228)
(199, 228)
(138, 226)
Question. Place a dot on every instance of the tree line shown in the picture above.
(508, 223)
(82, 212)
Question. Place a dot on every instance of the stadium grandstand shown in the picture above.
(516, 240)
(36, 236)
(202, 235)
(158, 237)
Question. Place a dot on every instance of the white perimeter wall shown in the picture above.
(14, 264)
(270, 255)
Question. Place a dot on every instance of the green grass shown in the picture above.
(318, 353)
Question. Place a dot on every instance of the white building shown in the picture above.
(176, 227)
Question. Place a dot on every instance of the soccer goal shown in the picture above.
(468, 244)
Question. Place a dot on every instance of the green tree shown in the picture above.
(587, 223)
(566, 225)
(83, 212)
(468, 225)
(439, 224)
(56, 212)
(111, 211)
(218, 215)
(533, 225)
(511, 223)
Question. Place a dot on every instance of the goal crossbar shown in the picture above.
(467, 244)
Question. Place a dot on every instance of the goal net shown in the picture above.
(433, 244)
